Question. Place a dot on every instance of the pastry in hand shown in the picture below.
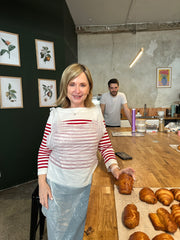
(147, 195)
(125, 183)
(175, 211)
(130, 216)
(139, 236)
(163, 236)
(164, 196)
(176, 193)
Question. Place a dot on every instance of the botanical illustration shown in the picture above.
(45, 54)
(11, 92)
(47, 92)
(8, 47)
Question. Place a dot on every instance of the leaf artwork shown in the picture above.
(10, 47)
(11, 93)
(47, 92)
(45, 54)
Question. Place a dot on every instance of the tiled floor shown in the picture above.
(15, 212)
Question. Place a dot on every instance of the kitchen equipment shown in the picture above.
(161, 113)
(161, 125)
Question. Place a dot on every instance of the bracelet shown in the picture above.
(113, 167)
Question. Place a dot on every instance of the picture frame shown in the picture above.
(9, 49)
(45, 54)
(11, 92)
(47, 92)
(164, 77)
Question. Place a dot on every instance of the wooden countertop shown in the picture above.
(156, 165)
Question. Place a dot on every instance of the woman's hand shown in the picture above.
(116, 172)
(44, 191)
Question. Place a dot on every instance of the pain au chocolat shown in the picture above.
(125, 183)
(147, 195)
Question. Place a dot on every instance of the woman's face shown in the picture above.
(77, 90)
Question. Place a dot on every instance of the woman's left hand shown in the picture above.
(116, 172)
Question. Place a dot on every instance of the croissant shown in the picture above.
(147, 195)
(130, 216)
(139, 236)
(157, 224)
(163, 220)
(175, 211)
(167, 219)
(125, 183)
(163, 236)
(164, 196)
(176, 193)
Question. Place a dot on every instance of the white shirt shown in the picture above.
(112, 111)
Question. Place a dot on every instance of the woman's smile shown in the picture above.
(77, 90)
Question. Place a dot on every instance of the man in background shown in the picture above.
(111, 103)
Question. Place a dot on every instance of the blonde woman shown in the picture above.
(67, 157)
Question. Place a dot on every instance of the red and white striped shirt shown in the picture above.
(68, 151)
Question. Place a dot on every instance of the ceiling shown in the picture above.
(106, 14)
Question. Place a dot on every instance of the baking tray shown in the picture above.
(145, 224)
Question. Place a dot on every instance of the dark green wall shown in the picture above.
(22, 129)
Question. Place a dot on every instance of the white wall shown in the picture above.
(108, 56)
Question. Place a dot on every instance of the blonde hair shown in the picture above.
(70, 73)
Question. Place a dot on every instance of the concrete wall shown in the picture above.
(108, 56)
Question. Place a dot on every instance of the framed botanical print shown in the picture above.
(164, 76)
(11, 92)
(9, 49)
(45, 54)
(47, 92)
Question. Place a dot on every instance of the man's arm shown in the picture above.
(102, 108)
(127, 113)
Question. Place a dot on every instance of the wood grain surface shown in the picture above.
(156, 165)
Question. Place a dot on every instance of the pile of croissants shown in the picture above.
(161, 220)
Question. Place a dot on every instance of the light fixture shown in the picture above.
(137, 57)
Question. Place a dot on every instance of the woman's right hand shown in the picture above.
(44, 191)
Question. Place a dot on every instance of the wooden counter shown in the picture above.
(156, 165)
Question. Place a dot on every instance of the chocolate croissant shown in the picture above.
(176, 193)
(163, 220)
(175, 211)
(147, 195)
(163, 236)
(139, 236)
(164, 196)
(130, 216)
(125, 183)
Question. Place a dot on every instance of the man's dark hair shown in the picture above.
(113, 80)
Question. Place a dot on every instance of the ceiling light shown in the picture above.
(137, 57)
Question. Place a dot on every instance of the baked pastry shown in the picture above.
(175, 211)
(125, 183)
(130, 216)
(176, 193)
(167, 219)
(157, 224)
(164, 196)
(147, 195)
(163, 236)
(139, 236)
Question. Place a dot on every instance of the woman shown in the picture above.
(68, 155)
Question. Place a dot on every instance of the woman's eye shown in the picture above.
(71, 84)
